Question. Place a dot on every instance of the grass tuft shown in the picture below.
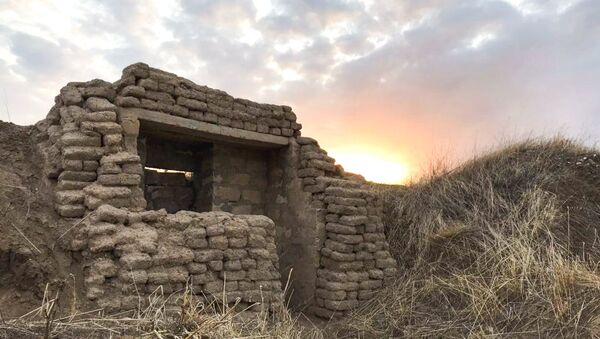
(175, 316)
(504, 245)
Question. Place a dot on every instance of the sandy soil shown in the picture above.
(29, 258)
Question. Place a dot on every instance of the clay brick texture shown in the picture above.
(230, 219)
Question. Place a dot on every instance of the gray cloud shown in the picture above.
(416, 76)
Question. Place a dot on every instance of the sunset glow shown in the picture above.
(373, 167)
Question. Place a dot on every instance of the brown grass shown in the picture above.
(174, 316)
(505, 245)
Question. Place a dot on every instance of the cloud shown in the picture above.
(403, 78)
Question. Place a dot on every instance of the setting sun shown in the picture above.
(373, 167)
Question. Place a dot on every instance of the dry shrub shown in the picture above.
(174, 316)
(505, 245)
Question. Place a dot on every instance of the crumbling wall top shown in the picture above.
(91, 149)
(156, 90)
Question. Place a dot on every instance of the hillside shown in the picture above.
(504, 245)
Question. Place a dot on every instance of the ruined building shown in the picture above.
(172, 183)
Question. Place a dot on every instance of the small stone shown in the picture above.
(196, 268)
(90, 165)
(192, 104)
(70, 211)
(307, 141)
(111, 214)
(331, 295)
(82, 152)
(134, 91)
(173, 256)
(110, 168)
(346, 238)
(341, 229)
(106, 127)
(336, 286)
(70, 95)
(102, 116)
(121, 179)
(77, 176)
(203, 256)
(138, 277)
(232, 275)
(232, 265)
(338, 256)
(74, 197)
(218, 242)
(104, 192)
(386, 263)
(100, 91)
(101, 228)
(310, 172)
(215, 265)
(353, 220)
(95, 104)
(112, 139)
(238, 242)
(120, 158)
(103, 243)
(127, 101)
(80, 139)
(215, 230)
(65, 185)
(136, 260)
(234, 253)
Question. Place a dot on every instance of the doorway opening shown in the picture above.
(176, 173)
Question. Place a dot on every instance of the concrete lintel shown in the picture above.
(164, 122)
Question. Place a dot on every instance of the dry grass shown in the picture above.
(505, 245)
(174, 316)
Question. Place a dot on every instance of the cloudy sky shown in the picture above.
(393, 84)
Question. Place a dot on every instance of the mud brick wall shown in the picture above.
(84, 151)
(239, 179)
(169, 190)
(355, 259)
(222, 257)
(298, 242)
(153, 89)
(329, 231)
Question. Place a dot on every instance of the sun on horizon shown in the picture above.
(373, 167)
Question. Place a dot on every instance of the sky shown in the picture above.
(387, 87)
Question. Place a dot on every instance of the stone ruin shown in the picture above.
(172, 184)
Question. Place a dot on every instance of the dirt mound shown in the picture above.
(28, 224)
(504, 245)
(487, 188)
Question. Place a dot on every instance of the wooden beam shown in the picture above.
(163, 123)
